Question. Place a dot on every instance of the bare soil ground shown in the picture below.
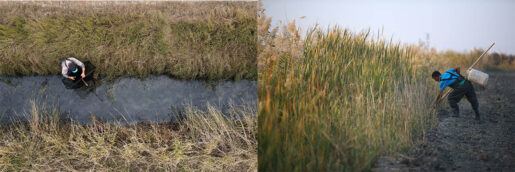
(463, 144)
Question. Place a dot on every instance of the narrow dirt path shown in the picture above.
(463, 144)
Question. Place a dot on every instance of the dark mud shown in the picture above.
(463, 144)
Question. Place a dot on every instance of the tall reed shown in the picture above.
(336, 100)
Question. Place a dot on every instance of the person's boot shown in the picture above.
(477, 116)
(456, 113)
(478, 119)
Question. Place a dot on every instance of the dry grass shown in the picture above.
(336, 100)
(500, 61)
(450, 59)
(190, 40)
(492, 60)
(202, 141)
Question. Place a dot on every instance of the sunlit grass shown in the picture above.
(204, 140)
(336, 100)
(190, 40)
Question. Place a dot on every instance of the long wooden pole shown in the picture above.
(493, 43)
(84, 82)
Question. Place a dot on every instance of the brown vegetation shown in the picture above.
(190, 40)
(204, 140)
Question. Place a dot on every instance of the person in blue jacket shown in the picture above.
(461, 87)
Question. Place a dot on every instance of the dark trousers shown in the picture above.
(466, 90)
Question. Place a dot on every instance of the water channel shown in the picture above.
(156, 98)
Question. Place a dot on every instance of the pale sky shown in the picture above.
(459, 25)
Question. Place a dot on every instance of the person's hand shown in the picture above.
(435, 104)
(72, 78)
(82, 75)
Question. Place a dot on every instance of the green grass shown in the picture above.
(189, 40)
(204, 140)
(336, 100)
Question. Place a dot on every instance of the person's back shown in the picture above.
(73, 72)
(449, 78)
(72, 68)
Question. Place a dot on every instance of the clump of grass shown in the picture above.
(450, 59)
(188, 40)
(501, 61)
(204, 140)
(336, 100)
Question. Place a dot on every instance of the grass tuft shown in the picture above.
(204, 140)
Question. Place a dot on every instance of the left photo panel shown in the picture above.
(128, 86)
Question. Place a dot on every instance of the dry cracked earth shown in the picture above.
(463, 144)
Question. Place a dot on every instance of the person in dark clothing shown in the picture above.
(461, 87)
(74, 71)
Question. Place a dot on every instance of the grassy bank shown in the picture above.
(202, 141)
(336, 100)
(190, 40)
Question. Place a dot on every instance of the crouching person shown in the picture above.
(73, 70)
(461, 87)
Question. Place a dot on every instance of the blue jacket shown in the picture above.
(447, 79)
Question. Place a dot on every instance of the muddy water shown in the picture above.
(156, 98)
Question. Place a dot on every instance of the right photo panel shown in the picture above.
(386, 85)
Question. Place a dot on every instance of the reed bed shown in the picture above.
(204, 140)
(491, 61)
(450, 59)
(188, 40)
(500, 61)
(335, 100)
